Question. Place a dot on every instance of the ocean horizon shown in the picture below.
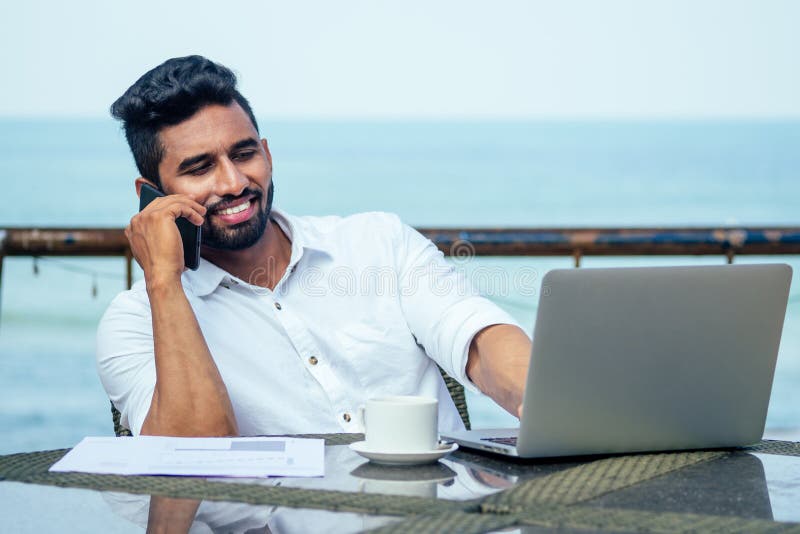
(70, 172)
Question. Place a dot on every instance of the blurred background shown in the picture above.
(511, 113)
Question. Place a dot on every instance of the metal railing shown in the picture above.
(576, 242)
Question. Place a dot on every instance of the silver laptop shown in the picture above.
(647, 359)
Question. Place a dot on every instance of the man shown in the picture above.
(264, 337)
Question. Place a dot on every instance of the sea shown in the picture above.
(78, 172)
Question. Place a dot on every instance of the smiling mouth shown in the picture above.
(237, 213)
(235, 209)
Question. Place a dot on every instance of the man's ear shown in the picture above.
(140, 181)
(266, 150)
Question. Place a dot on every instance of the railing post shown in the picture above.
(2, 257)
(128, 267)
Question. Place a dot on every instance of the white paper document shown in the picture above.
(218, 457)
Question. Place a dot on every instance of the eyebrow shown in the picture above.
(193, 160)
(245, 143)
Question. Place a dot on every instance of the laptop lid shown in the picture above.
(665, 358)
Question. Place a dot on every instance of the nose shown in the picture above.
(230, 180)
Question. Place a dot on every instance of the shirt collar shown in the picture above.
(303, 237)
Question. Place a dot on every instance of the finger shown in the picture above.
(194, 204)
(163, 202)
(177, 206)
(187, 211)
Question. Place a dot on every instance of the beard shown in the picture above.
(242, 235)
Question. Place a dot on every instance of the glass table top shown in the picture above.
(738, 484)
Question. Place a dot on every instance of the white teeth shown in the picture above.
(236, 209)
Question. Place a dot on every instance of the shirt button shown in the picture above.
(346, 417)
(313, 360)
(278, 305)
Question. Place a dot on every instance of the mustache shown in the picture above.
(231, 198)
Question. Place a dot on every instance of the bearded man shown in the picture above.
(259, 339)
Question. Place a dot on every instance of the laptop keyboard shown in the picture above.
(505, 441)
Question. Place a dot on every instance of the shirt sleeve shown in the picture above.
(125, 358)
(443, 310)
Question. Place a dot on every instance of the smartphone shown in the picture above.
(190, 233)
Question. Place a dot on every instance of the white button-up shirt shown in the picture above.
(367, 307)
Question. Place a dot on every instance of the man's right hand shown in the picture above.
(189, 397)
(155, 240)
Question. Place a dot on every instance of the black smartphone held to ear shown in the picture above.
(190, 233)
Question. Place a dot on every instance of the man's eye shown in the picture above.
(197, 171)
(243, 155)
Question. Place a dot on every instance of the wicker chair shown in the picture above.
(119, 430)
(459, 397)
(456, 392)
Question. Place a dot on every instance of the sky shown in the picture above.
(415, 59)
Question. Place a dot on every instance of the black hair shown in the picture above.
(168, 95)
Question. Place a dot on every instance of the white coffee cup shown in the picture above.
(402, 424)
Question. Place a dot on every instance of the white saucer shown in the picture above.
(403, 458)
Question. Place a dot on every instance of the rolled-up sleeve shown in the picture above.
(125, 360)
(443, 310)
